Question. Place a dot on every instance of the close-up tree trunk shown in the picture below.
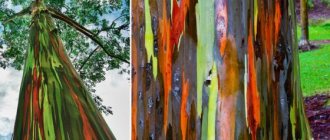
(53, 101)
(216, 69)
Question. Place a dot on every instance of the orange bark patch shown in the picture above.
(169, 38)
(277, 20)
(266, 32)
(178, 20)
(134, 89)
(87, 128)
(38, 114)
(270, 22)
(253, 101)
(134, 55)
(230, 64)
(183, 112)
(165, 59)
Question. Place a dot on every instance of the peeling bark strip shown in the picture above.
(164, 106)
(53, 102)
(228, 69)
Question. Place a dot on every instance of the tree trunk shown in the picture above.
(221, 69)
(304, 40)
(53, 101)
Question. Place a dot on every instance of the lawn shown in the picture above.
(315, 70)
(315, 65)
(319, 30)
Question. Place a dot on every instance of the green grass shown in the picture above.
(315, 65)
(315, 70)
(317, 31)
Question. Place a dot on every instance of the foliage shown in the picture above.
(105, 109)
(315, 70)
(310, 3)
(327, 2)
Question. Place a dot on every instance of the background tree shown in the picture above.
(109, 20)
(221, 69)
(304, 40)
(53, 101)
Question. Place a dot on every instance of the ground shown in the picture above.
(318, 113)
(315, 70)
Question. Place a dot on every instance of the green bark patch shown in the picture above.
(53, 101)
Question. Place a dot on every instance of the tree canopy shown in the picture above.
(108, 21)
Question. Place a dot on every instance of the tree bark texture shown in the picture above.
(53, 101)
(216, 69)
(304, 20)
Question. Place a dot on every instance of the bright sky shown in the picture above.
(115, 92)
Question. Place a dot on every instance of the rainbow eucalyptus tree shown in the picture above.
(216, 69)
(108, 20)
(53, 101)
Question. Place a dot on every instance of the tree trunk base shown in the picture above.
(305, 45)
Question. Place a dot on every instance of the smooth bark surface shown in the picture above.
(53, 101)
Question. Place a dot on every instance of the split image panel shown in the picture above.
(156, 69)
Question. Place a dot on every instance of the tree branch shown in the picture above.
(21, 13)
(98, 32)
(118, 18)
(121, 27)
(110, 27)
(84, 31)
(89, 56)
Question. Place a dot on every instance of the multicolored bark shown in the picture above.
(159, 61)
(53, 101)
(239, 58)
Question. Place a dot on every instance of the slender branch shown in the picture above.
(104, 29)
(84, 31)
(110, 27)
(118, 18)
(21, 13)
(89, 56)
(121, 27)
(122, 15)
(98, 32)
